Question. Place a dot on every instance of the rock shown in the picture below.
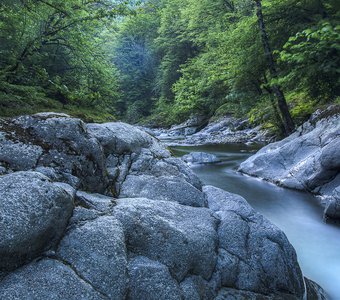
(332, 210)
(94, 201)
(181, 237)
(67, 188)
(126, 148)
(3, 170)
(330, 156)
(150, 280)
(232, 294)
(96, 251)
(307, 160)
(162, 188)
(196, 288)
(58, 176)
(200, 158)
(159, 236)
(55, 141)
(314, 291)
(147, 164)
(46, 279)
(82, 215)
(122, 138)
(243, 235)
(15, 154)
(189, 127)
(222, 131)
(33, 217)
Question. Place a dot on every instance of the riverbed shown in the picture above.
(298, 214)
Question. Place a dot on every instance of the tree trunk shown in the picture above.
(281, 100)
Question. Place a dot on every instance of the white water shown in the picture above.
(298, 214)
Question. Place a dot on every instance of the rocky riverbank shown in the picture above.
(307, 160)
(102, 211)
(199, 131)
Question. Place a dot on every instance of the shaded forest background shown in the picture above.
(158, 62)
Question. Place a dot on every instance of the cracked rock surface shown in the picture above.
(308, 160)
(34, 213)
(102, 211)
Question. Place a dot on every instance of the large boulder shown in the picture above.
(34, 214)
(254, 255)
(58, 145)
(181, 237)
(200, 158)
(136, 163)
(307, 160)
(120, 138)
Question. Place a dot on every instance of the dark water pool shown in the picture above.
(298, 214)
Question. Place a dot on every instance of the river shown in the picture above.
(298, 214)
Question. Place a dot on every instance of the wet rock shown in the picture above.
(200, 158)
(314, 291)
(332, 210)
(33, 216)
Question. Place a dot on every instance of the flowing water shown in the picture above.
(298, 214)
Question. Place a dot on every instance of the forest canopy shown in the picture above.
(160, 61)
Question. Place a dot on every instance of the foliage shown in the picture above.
(314, 52)
(61, 48)
(160, 61)
(211, 58)
(137, 62)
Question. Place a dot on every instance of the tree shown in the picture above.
(288, 122)
(61, 48)
(137, 62)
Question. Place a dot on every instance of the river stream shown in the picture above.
(298, 214)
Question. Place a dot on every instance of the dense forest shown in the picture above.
(158, 62)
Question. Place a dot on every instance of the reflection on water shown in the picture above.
(298, 214)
